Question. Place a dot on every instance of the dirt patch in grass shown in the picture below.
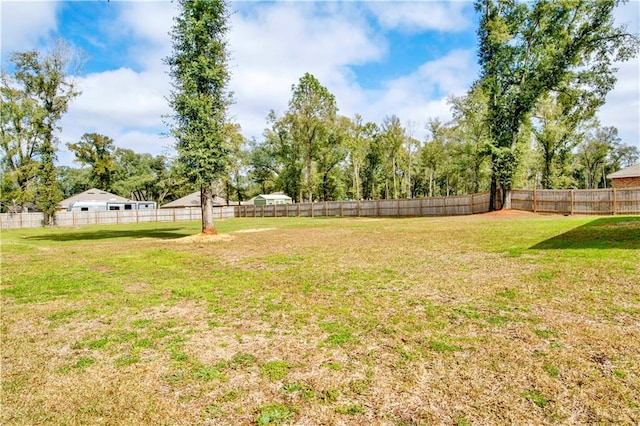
(201, 238)
(254, 230)
(509, 213)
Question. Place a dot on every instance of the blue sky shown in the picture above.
(378, 58)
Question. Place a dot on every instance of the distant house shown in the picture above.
(98, 200)
(192, 201)
(266, 199)
(626, 178)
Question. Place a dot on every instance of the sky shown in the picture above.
(378, 58)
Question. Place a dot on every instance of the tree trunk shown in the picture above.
(206, 204)
(493, 193)
(356, 181)
(546, 170)
(309, 180)
(238, 192)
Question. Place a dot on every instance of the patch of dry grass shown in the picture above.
(488, 319)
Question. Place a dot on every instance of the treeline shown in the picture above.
(311, 152)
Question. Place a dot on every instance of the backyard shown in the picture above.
(502, 318)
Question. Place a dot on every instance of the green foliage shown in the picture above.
(529, 49)
(274, 414)
(34, 100)
(339, 334)
(148, 177)
(198, 67)
(98, 152)
(19, 143)
(351, 410)
(536, 397)
(275, 370)
(391, 138)
(359, 136)
(242, 360)
(208, 373)
(552, 370)
(307, 141)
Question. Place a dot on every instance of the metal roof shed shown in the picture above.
(266, 199)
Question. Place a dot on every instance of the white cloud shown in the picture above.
(122, 97)
(622, 109)
(25, 24)
(140, 142)
(125, 105)
(273, 45)
(419, 16)
(149, 24)
(422, 95)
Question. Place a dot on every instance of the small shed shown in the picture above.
(266, 199)
(92, 195)
(192, 201)
(626, 178)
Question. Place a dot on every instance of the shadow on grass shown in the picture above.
(620, 232)
(166, 234)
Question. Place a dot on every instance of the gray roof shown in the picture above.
(192, 200)
(92, 194)
(631, 171)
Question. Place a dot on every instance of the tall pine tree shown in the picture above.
(200, 96)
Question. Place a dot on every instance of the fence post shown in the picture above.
(573, 201)
(398, 207)
(358, 207)
(341, 208)
(377, 208)
(615, 202)
(534, 201)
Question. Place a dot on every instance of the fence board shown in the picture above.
(597, 201)
(410, 207)
(578, 201)
(35, 220)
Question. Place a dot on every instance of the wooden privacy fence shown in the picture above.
(34, 220)
(440, 206)
(577, 201)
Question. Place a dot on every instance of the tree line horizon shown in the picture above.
(528, 121)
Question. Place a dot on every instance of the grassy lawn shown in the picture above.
(487, 319)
